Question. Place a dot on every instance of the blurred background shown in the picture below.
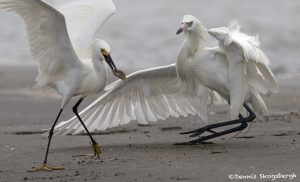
(142, 35)
(142, 32)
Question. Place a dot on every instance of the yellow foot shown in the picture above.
(46, 167)
(97, 150)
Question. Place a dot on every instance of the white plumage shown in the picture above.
(147, 95)
(62, 41)
(177, 90)
(248, 69)
(70, 64)
(84, 19)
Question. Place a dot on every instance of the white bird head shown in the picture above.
(188, 24)
(193, 28)
(103, 50)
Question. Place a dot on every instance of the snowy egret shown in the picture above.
(184, 88)
(239, 73)
(61, 41)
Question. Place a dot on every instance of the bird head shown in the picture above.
(188, 23)
(104, 51)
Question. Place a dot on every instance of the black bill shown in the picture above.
(110, 63)
(118, 73)
(184, 27)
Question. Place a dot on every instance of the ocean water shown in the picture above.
(142, 32)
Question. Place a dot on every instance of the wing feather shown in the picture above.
(254, 57)
(258, 73)
(48, 38)
(237, 83)
(84, 19)
(148, 95)
(248, 67)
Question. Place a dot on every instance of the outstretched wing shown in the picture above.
(84, 18)
(148, 95)
(247, 63)
(48, 37)
(257, 69)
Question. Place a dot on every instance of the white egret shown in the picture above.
(175, 90)
(61, 41)
(239, 73)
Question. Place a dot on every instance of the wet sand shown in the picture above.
(142, 153)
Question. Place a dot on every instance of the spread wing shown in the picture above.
(247, 63)
(147, 95)
(48, 37)
(257, 64)
(84, 18)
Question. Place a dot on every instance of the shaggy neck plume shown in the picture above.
(194, 41)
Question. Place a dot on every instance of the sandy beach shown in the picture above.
(142, 153)
(143, 36)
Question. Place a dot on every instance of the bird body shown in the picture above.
(197, 71)
(68, 57)
(237, 82)
(237, 70)
(66, 62)
(209, 62)
(88, 78)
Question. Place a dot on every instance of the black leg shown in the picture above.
(50, 135)
(45, 166)
(96, 147)
(75, 107)
(209, 128)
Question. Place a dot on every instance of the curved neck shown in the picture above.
(196, 37)
(98, 64)
(194, 42)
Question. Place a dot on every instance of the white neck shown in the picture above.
(195, 39)
(98, 64)
(194, 42)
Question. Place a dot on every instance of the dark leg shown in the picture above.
(209, 128)
(45, 166)
(50, 136)
(97, 150)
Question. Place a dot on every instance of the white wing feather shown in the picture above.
(148, 95)
(84, 18)
(258, 73)
(48, 37)
(248, 67)
(237, 82)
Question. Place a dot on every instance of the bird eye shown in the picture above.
(189, 23)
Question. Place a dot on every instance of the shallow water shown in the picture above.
(142, 32)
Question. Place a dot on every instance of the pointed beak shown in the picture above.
(110, 62)
(184, 27)
(120, 74)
